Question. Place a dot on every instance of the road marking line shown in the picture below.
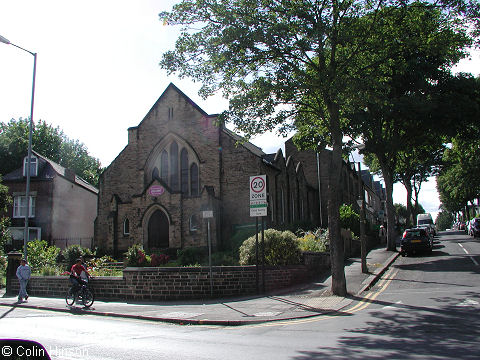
(470, 256)
(362, 304)
(383, 284)
(393, 306)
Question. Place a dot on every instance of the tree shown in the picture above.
(444, 220)
(400, 122)
(458, 181)
(5, 200)
(279, 60)
(48, 141)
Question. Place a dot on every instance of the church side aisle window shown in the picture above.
(126, 227)
(194, 182)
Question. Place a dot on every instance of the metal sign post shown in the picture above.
(258, 208)
(208, 215)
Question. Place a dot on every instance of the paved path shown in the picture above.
(309, 300)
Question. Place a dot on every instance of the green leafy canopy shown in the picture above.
(48, 141)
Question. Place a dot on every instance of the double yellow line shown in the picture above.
(363, 303)
(370, 297)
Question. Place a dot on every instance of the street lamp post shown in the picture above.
(29, 155)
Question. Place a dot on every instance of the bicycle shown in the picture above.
(83, 294)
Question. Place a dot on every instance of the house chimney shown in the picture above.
(70, 174)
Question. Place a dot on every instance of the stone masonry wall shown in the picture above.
(175, 283)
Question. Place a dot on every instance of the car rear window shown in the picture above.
(414, 234)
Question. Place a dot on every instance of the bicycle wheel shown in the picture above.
(87, 297)
(70, 297)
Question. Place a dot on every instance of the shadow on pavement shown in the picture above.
(451, 332)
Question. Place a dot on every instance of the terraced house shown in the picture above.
(179, 163)
(62, 206)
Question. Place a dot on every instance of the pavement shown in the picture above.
(303, 301)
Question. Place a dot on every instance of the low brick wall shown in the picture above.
(156, 283)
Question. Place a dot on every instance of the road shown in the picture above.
(424, 307)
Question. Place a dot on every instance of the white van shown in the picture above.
(426, 219)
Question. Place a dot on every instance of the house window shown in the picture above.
(18, 233)
(184, 170)
(194, 183)
(282, 206)
(126, 227)
(193, 223)
(20, 207)
(33, 166)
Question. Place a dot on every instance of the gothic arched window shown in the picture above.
(184, 171)
(155, 174)
(194, 182)
(164, 166)
(174, 166)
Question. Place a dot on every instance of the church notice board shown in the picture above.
(258, 195)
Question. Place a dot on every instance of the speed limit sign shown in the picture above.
(258, 195)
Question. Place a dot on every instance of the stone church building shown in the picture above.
(177, 164)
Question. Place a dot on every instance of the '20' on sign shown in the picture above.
(258, 187)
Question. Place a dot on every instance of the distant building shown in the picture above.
(179, 163)
(62, 209)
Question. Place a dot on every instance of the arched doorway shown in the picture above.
(158, 230)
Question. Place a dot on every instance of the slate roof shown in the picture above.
(47, 170)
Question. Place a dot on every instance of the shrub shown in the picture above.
(50, 271)
(159, 259)
(315, 241)
(191, 256)
(238, 238)
(281, 248)
(3, 270)
(223, 258)
(136, 256)
(73, 252)
(349, 219)
(41, 256)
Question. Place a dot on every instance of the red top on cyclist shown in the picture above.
(77, 269)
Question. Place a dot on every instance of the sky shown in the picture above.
(98, 73)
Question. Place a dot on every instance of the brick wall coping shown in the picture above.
(206, 268)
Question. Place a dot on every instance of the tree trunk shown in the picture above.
(391, 233)
(410, 209)
(337, 250)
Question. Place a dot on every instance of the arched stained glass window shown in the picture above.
(164, 166)
(184, 170)
(155, 174)
(174, 166)
(194, 182)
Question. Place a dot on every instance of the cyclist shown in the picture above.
(75, 275)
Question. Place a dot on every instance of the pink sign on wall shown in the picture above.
(156, 190)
